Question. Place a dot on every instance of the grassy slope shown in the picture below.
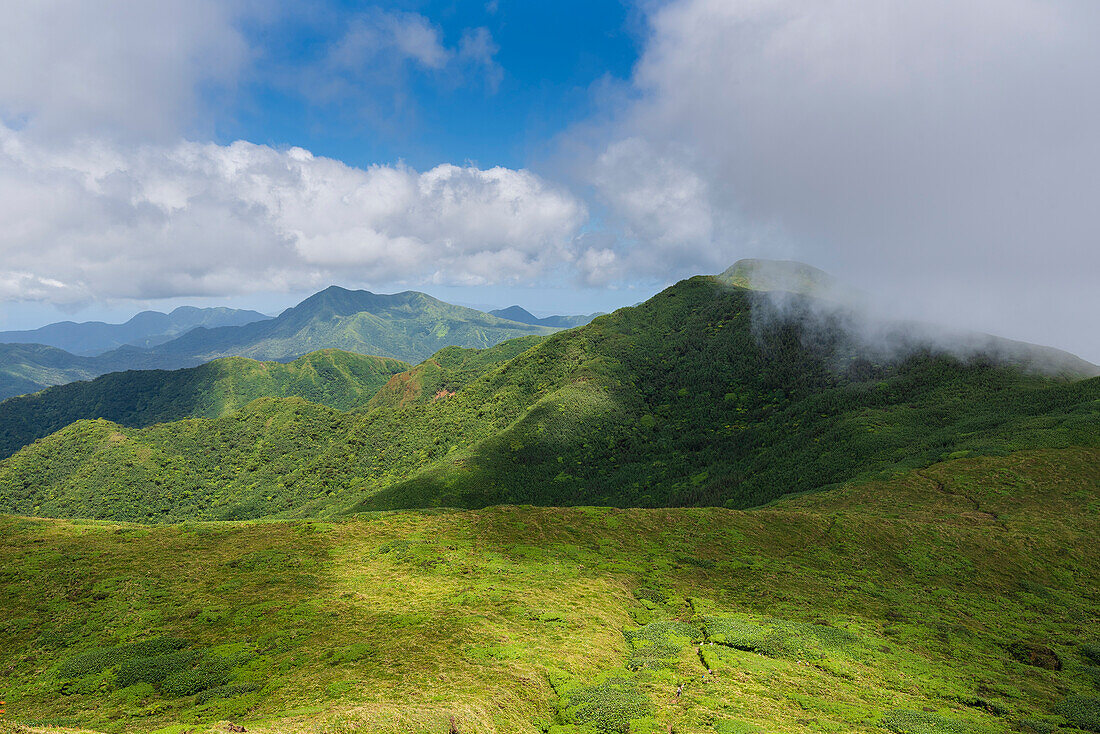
(892, 603)
(675, 402)
(141, 398)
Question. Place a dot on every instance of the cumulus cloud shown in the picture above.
(941, 153)
(116, 67)
(98, 220)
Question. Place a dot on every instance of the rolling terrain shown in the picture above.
(688, 399)
(956, 599)
(140, 398)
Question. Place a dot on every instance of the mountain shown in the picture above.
(26, 368)
(784, 275)
(700, 396)
(139, 398)
(408, 326)
(958, 598)
(516, 313)
(146, 329)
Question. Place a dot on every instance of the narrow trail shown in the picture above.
(944, 489)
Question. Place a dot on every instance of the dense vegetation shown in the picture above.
(688, 399)
(146, 329)
(141, 398)
(957, 598)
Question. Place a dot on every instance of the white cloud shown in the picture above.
(941, 152)
(399, 36)
(381, 49)
(96, 220)
(117, 67)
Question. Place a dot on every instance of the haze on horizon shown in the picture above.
(940, 156)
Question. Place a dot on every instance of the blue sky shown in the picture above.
(549, 56)
(569, 156)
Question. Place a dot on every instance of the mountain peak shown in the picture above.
(786, 275)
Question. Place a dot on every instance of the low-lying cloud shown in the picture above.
(942, 155)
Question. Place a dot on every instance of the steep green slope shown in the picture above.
(143, 330)
(684, 400)
(141, 398)
(409, 326)
(957, 599)
(446, 372)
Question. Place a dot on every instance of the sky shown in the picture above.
(570, 157)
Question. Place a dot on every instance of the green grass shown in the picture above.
(841, 611)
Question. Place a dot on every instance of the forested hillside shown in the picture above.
(688, 399)
(139, 398)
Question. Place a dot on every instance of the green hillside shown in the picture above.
(410, 326)
(141, 398)
(683, 400)
(27, 368)
(957, 599)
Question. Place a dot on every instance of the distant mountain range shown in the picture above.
(523, 316)
(146, 329)
(408, 326)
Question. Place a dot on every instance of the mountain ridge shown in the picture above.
(679, 401)
(145, 329)
(523, 316)
(409, 326)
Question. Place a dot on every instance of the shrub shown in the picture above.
(155, 669)
(778, 638)
(905, 721)
(654, 645)
(94, 661)
(608, 706)
(229, 691)
(1081, 711)
(1036, 654)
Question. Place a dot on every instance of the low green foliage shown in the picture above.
(1081, 711)
(574, 620)
(902, 721)
(608, 706)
